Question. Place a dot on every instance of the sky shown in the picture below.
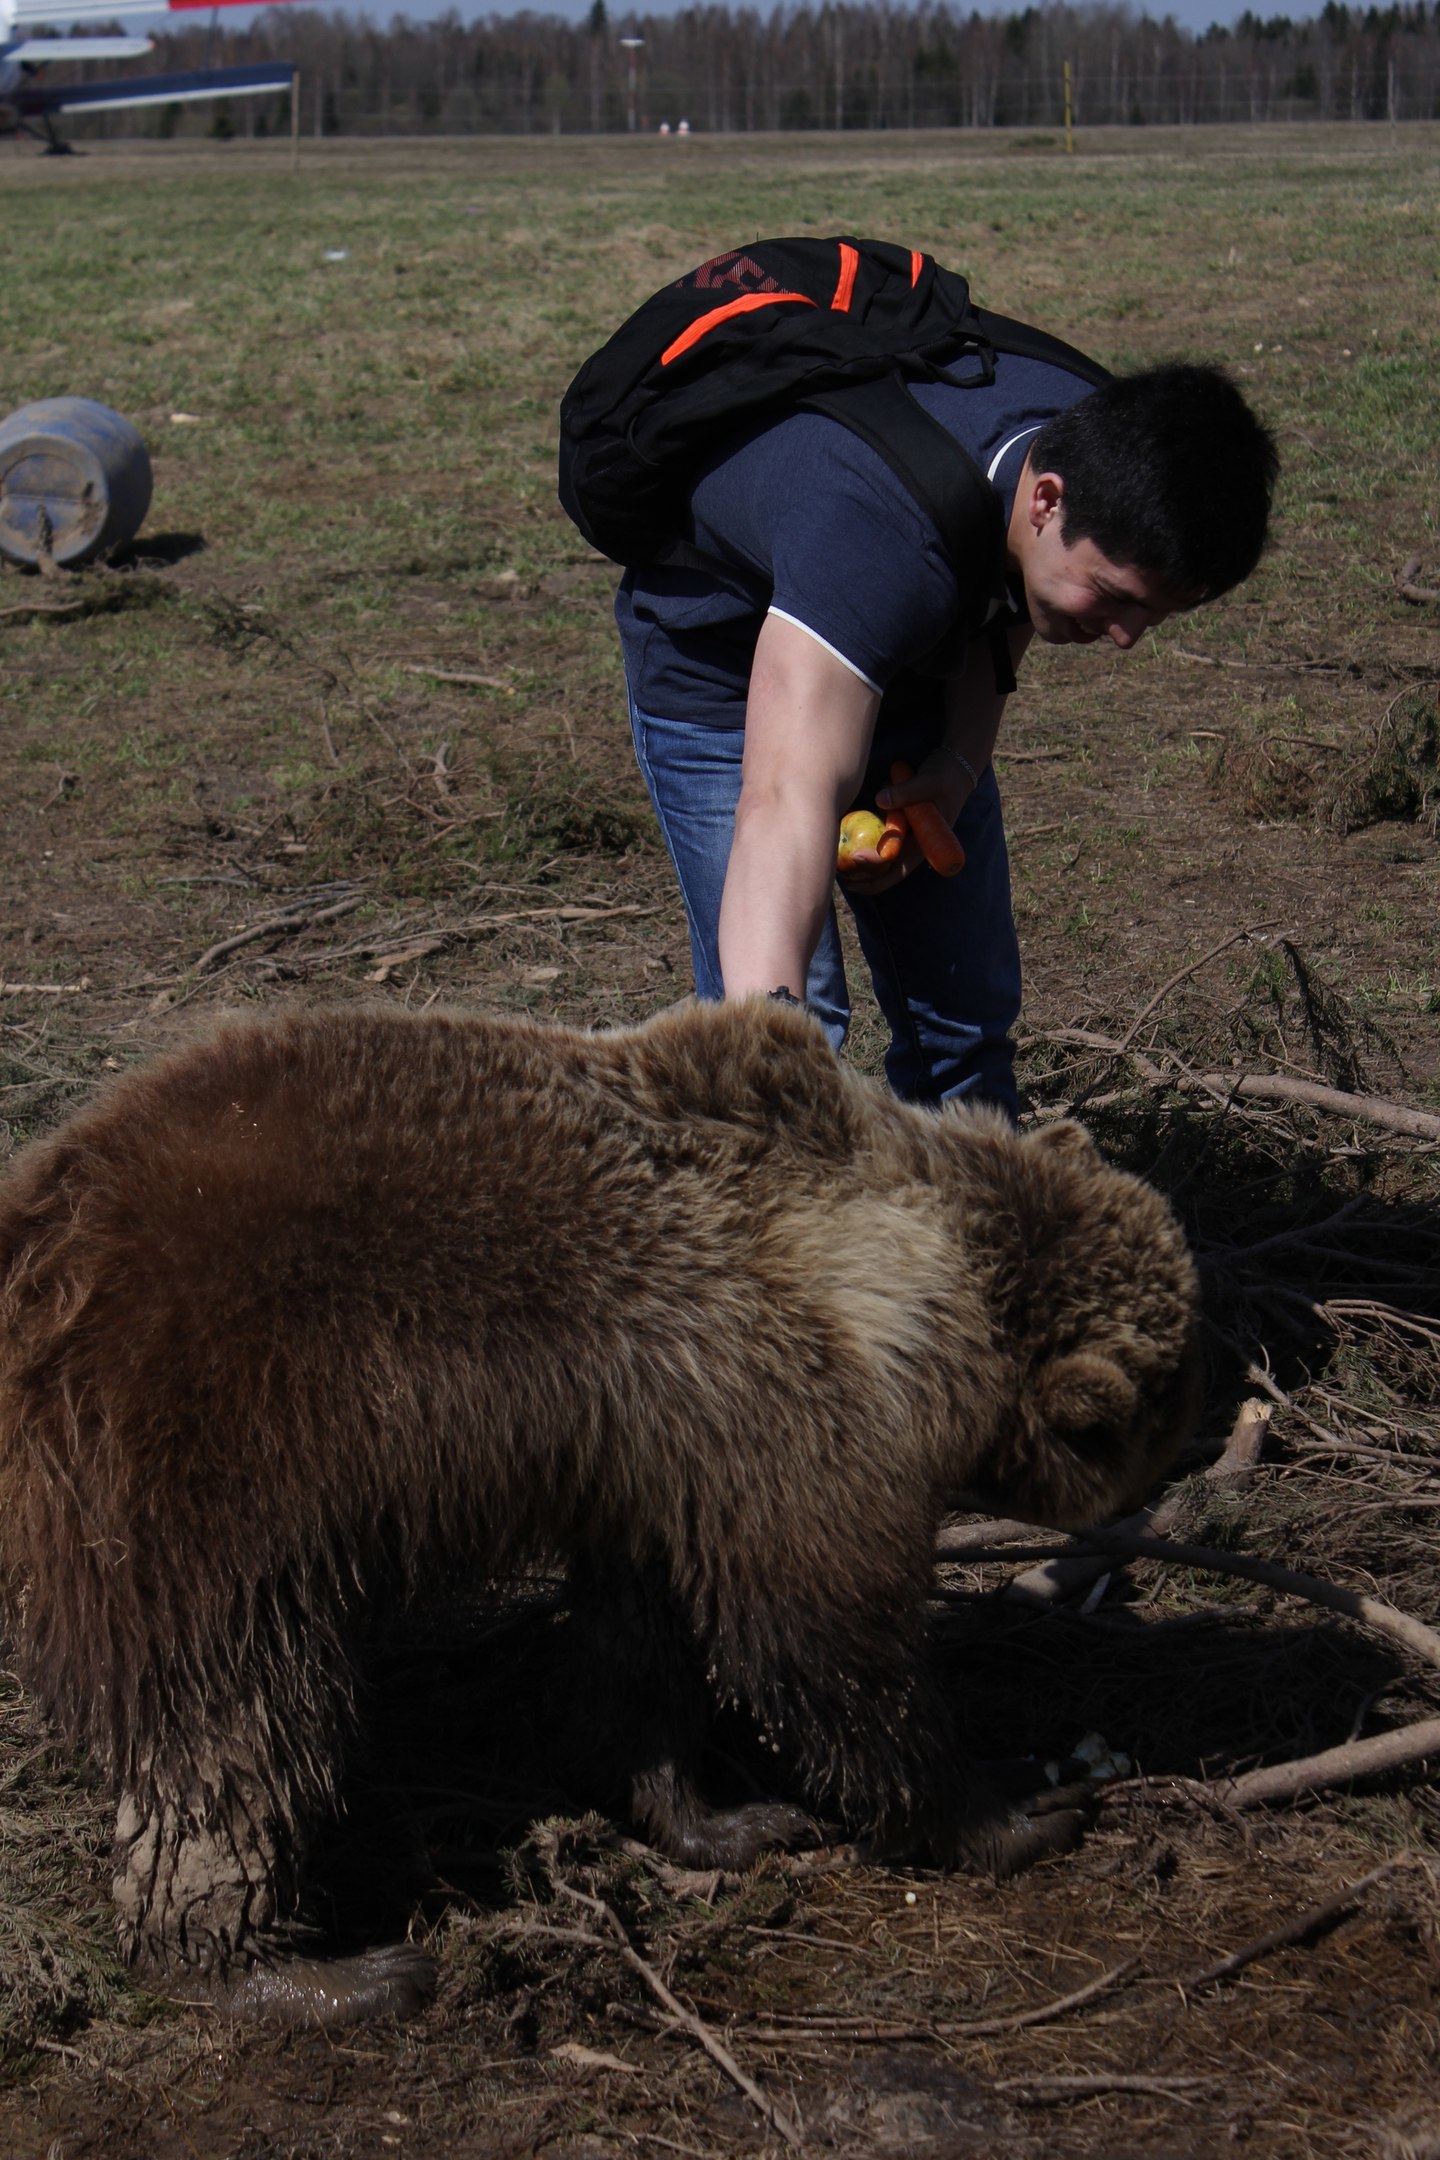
(1190, 14)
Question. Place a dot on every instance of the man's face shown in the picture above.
(1075, 594)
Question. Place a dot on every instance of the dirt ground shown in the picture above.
(1226, 865)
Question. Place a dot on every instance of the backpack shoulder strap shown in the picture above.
(1026, 342)
(937, 471)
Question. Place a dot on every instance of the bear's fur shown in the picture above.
(335, 1302)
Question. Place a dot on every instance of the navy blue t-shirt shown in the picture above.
(803, 518)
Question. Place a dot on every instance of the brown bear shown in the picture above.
(331, 1303)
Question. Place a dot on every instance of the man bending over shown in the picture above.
(810, 642)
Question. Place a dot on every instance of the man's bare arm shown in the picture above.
(808, 726)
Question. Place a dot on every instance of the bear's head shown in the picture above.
(1096, 1312)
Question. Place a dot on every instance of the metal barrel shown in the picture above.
(75, 481)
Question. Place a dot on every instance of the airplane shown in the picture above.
(28, 106)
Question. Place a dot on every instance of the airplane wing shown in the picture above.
(191, 83)
(42, 52)
(35, 14)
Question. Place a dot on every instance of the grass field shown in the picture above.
(359, 674)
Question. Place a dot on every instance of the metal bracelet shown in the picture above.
(964, 763)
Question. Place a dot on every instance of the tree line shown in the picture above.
(869, 64)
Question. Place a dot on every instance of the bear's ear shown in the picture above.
(1084, 1390)
(1068, 1140)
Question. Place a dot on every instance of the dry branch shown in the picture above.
(284, 925)
(1280, 1781)
(1335, 1766)
(816, 2025)
(1372, 1612)
(960, 1541)
(1236, 937)
(1312, 1922)
(1035, 2091)
(1367, 1109)
(458, 675)
(44, 607)
(777, 2117)
(1171, 1071)
(395, 952)
(1407, 586)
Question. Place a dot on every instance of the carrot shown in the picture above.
(892, 839)
(938, 843)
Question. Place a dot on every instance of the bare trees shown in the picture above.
(854, 64)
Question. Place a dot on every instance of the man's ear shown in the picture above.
(1047, 496)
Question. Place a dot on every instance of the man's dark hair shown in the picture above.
(1167, 471)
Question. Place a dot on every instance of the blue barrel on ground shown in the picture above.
(75, 481)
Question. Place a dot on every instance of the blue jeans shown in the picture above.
(942, 952)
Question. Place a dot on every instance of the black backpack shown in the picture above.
(835, 326)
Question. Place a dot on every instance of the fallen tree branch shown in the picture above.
(43, 607)
(1278, 1781)
(1036, 2091)
(1236, 937)
(1368, 1109)
(284, 925)
(1274, 1087)
(1181, 975)
(815, 2025)
(1373, 1612)
(777, 2117)
(9, 989)
(395, 951)
(1407, 586)
(1334, 1766)
(458, 675)
(958, 1541)
(1288, 667)
(1315, 1920)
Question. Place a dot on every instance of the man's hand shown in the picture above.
(949, 775)
(945, 781)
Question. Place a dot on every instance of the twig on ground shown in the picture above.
(682, 1882)
(1227, 1087)
(8, 989)
(811, 2025)
(1367, 1109)
(1407, 586)
(1279, 1781)
(394, 952)
(1236, 937)
(1289, 667)
(1036, 2091)
(332, 755)
(1315, 1920)
(960, 1541)
(777, 2117)
(293, 919)
(1356, 1605)
(45, 607)
(458, 675)
(1335, 1766)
